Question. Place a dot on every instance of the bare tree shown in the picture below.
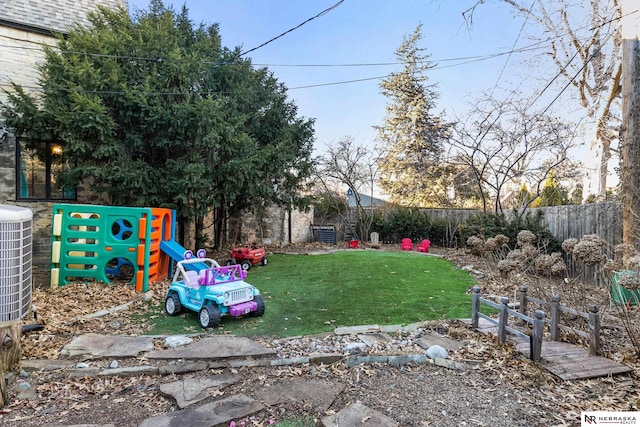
(585, 45)
(505, 147)
(353, 166)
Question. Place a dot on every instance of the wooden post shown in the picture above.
(502, 320)
(594, 330)
(630, 126)
(555, 317)
(10, 352)
(535, 348)
(522, 299)
(475, 307)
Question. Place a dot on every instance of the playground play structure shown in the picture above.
(105, 243)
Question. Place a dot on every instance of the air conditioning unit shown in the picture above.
(16, 236)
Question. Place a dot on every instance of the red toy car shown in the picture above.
(248, 257)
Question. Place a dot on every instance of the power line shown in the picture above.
(562, 70)
(466, 60)
(504, 67)
(596, 52)
(532, 46)
(336, 83)
(324, 12)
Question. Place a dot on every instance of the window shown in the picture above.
(38, 163)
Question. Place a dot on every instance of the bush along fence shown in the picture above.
(538, 320)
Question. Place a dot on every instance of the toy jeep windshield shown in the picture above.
(204, 286)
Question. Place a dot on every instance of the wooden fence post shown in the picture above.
(522, 300)
(502, 320)
(535, 345)
(475, 307)
(555, 317)
(594, 330)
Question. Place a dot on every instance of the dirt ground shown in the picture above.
(498, 388)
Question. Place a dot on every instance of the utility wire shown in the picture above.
(478, 59)
(596, 52)
(504, 67)
(471, 60)
(532, 46)
(324, 12)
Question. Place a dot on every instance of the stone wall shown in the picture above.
(276, 226)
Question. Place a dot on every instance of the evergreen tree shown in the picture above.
(553, 194)
(412, 137)
(156, 112)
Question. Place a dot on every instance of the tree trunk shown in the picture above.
(10, 352)
(630, 132)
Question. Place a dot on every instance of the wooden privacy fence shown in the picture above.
(537, 322)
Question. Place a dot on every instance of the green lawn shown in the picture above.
(306, 294)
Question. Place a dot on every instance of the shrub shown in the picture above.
(487, 225)
(406, 222)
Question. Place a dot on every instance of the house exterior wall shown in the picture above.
(58, 15)
(25, 27)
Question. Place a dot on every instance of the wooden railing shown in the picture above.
(537, 322)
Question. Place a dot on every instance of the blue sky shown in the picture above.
(364, 32)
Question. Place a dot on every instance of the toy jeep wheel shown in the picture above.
(209, 317)
(264, 261)
(172, 304)
(246, 265)
(260, 310)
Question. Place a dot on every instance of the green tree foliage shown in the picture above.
(524, 196)
(403, 222)
(154, 111)
(553, 194)
(329, 204)
(412, 136)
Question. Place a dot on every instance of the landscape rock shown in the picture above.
(358, 414)
(45, 364)
(325, 358)
(98, 346)
(183, 367)
(25, 391)
(177, 341)
(355, 330)
(437, 352)
(318, 394)
(355, 348)
(193, 390)
(216, 347)
(433, 338)
(374, 339)
(220, 412)
(131, 371)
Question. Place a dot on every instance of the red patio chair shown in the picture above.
(424, 246)
(406, 244)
